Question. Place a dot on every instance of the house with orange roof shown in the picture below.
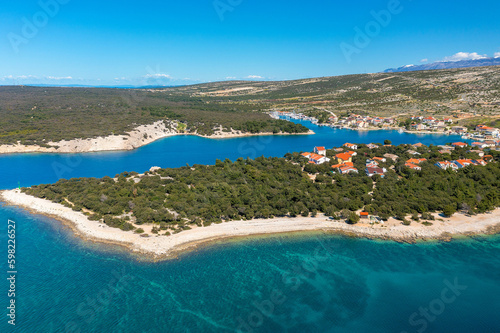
(316, 158)
(363, 215)
(490, 143)
(446, 165)
(347, 169)
(417, 127)
(343, 157)
(379, 159)
(464, 163)
(412, 166)
(320, 150)
(481, 145)
(416, 160)
(351, 146)
(459, 129)
(459, 144)
(417, 145)
(483, 128)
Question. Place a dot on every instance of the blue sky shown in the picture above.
(181, 42)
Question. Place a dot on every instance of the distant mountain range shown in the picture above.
(447, 65)
(101, 86)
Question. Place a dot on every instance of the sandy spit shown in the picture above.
(160, 247)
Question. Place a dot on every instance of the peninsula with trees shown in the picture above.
(411, 197)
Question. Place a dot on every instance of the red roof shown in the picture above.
(347, 169)
(459, 144)
(363, 213)
(345, 164)
(416, 160)
(412, 166)
(343, 156)
(315, 156)
(379, 171)
(320, 148)
(465, 162)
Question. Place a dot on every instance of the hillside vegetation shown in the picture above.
(39, 114)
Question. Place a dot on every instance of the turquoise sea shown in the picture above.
(300, 283)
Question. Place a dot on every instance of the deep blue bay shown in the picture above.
(300, 283)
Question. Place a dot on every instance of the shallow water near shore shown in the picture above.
(308, 283)
(313, 283)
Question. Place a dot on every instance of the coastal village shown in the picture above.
(414, 124)
(346, 159)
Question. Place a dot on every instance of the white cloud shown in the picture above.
(59, 78)
(230, 78)
(424, 60)
(497, 55)
(407, 66)
(157, 76)
(254, 77)
(465, 56)
(27, 77)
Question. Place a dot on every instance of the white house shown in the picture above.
(351, 146)
(446, 165)
(316, 158)
(320, 150)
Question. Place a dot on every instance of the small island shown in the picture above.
(378, 191)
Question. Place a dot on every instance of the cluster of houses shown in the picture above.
(373, 168)
(351, 121)
(458, 164)
(344, 160)
(430, 123)
(345, 165)
(487, 132)
(413, 163)
(318, 157)
(293, 115)
(358, 121)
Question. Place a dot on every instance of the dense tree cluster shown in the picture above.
(268, 187)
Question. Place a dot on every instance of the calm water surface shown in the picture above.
(309, 283)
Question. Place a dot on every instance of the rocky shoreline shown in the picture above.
(140, 136)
